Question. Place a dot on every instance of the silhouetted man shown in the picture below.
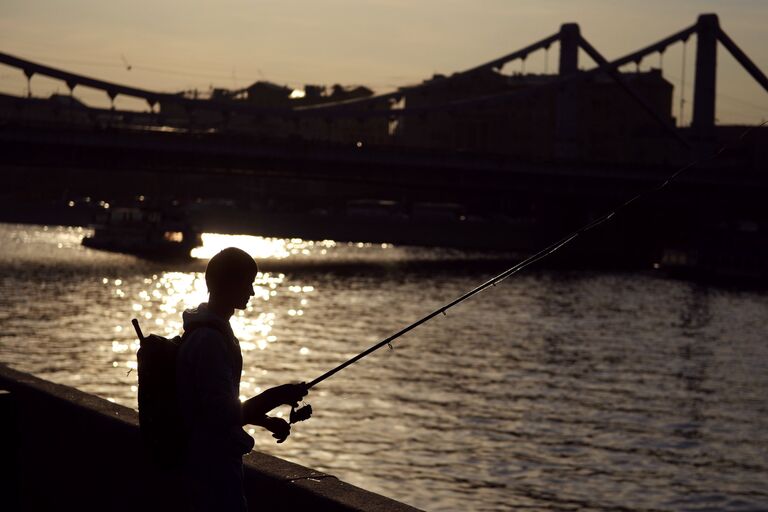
(208, 383)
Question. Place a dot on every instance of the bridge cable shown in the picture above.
(682, 85)
(613, 72)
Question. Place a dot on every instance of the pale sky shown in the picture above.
(181, 44)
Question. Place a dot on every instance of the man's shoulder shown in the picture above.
(203, 338)
(201, 320)
(205, 329)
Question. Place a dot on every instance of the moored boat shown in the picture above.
(143, 232)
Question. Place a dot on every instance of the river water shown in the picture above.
(551, 391)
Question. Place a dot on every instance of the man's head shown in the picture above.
(229, 277)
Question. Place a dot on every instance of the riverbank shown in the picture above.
(69, 450)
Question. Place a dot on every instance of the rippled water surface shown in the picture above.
(553, 391)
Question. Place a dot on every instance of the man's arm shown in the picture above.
(255, 409)
(278, 426)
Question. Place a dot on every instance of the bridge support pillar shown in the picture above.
(569, 48)
(567, 120)
(703, 121)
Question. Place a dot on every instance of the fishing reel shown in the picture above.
(299, 413)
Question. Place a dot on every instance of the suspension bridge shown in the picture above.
(466, 154)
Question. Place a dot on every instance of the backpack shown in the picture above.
(160, 422)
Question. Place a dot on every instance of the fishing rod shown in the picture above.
(550, 249)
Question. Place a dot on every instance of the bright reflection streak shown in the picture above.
(256, 246)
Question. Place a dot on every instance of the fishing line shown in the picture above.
(550, 249)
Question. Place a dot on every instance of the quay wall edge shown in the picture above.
(64, 449)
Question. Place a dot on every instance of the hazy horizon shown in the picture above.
(172, 46)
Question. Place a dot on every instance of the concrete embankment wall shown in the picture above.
(63, 449)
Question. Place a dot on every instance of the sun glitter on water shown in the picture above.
(257, 246)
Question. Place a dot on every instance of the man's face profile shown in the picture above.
(242, 291)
